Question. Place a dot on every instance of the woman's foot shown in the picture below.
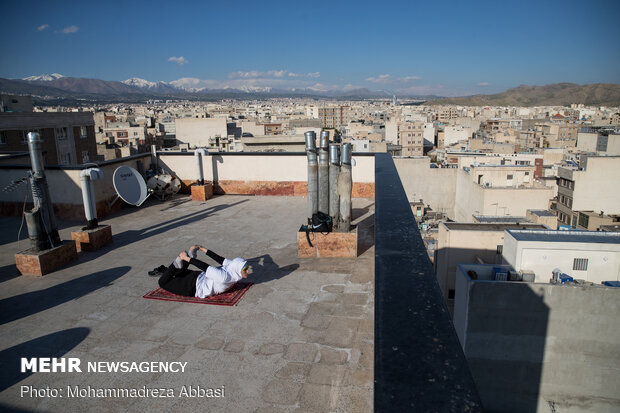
(157, 271)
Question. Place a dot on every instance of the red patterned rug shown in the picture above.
(230, 297)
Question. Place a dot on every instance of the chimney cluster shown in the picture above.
(329, 181)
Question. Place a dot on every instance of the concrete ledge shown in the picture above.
(202, 192)
(332, 244)
(43, 262)
(92, 239)
(282, 188)
(419, 363)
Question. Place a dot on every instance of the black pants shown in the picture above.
(179, 281)
(182, 281)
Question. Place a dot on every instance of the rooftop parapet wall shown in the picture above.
(262, 174)
(247, 173)
(419, 363)
(65, 189)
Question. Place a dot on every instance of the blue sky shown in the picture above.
(422, 47)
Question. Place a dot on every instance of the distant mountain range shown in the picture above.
(58, 89)
(557, 94)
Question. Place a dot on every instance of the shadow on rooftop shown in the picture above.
(365, 234)
(130, 236)
(51, 345)
(360, 212)
(24, 305)
(265, 269)
(8, 272)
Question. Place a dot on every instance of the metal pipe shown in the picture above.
(88, 195)
(38, 239)
(334, 171)
(324, 173)
(40, 191)
(313, 196)
(347, 153)
(154, 160)
(345, 187)
(198, 154)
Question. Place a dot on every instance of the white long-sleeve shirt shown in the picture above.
(216, 280)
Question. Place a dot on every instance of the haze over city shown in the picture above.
(403, 47)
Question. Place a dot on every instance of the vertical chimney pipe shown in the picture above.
(40, 194)
(324, 173)
(345, 187)
(198, 154)
(313, 196)
(88, 195)
(334, 171)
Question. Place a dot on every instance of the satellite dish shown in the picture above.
(130, 185)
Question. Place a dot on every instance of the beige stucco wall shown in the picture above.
(64, 185)
(471, 199)
(596, 187)
(280, 168)
(197, 131)
(436, 186)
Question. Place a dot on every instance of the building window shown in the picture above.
(64, 159)
(61, 133)
(584, 220)
(3, 138)
(83, 132)
(580, 264)
(85, 157)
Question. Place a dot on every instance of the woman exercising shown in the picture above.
(210, 280)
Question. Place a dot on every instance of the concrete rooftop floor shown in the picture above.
(300, 340)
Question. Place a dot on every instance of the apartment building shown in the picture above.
(334, 116)
(68, 137)
(198, 131)
(589, 188)
(273, 129)
(592, 256)
(446, 114)
(459, 242)
(411, 138)
(537, 347)
(602, 141)
(125, 133)
(497, 124)
(498, 190)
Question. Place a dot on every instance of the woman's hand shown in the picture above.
(183, 255)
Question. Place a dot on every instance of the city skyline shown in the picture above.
(400, 47)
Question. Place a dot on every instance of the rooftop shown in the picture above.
(464, 226)
(301, 337)
(499, 219)
(595, 237)
(541, 212)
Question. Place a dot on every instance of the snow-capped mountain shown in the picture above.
(160, 87)
(44, 77)
(136, 81)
